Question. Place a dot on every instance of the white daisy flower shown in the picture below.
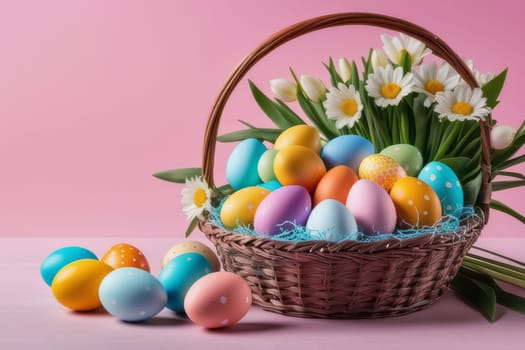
(343, 104)
(462, 103)
(196, 198)
(481, 78)
(395, 46)
(430, 80)
(388, 85)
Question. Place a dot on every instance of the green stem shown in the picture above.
(448, 141)
(494, 274)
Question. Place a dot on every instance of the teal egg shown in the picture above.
(407, 155)
(447, 186)
(179, 274)
(271, 185)
(265, 165)
(241, 167)
(55, 261)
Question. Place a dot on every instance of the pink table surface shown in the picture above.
(32, 319)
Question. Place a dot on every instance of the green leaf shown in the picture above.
(288, 114)
(504, 185)
(497, 205)
(269, 107)
(257, 133)
(191, 227)
(480, 295)
(513, 161)
(421, 119)
(178, 175)
(471, 190)
(335, 78)
(405, 62)
(511, 174)
(458, 164)
(492, 89)
(355, 77)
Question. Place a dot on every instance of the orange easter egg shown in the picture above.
(298, 165)
(335, 184)
(125, 255)
(416, 203)
(381, 169)
(299, 135)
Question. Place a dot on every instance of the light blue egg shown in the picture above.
(446, 184)
(241, 167)
(330, 220)
(55, 261)
(347, 150)
(271, 185)
(179, 274)
(132, 294)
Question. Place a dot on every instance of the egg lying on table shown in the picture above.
(446, 184)
(239, 208)
(55, 261)
(298, 165)
(241, 167)
(218, 300)
(408, 156)
(347, 150)
(281, 209)
(330, 220)
(382, 170)
(125, 255)
(190, 246)
(132, 294)
(372, 208)
(335, 184)
(179, 274)
(299, 135)
(416, 203)
(76, 285)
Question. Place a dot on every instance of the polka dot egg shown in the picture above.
(125, 255)
(381, 169)
(239, 208)
(416, 203)
(446, 184)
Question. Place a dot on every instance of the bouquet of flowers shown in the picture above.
(396, 99)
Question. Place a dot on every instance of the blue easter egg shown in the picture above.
(271, 185)
(347, 150)
(241, 167)
(132, 294)
(55, 261)
(179, 274)
(330, 220)
(446, 184)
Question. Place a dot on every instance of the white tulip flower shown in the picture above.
(313, 87)
(345, 69)
(502, 136)
(284, 89)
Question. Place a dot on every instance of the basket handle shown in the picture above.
(438, 46)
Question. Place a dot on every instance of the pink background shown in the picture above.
(95, 96)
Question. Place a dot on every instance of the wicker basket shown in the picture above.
(347, 279)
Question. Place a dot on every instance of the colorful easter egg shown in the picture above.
(55, 261)
(179, 274)
(372, 208)
(241, 167)
(347, 150)
(76, 285)
(125, 255)
(190, 246)
(218, 300)
(417, 204)
(446, 184)
(408, 156)
(265, 165)
(132, 294)
(335, 184)
(239, 208)
(298, 165)
(299, 135)
(330, 220)
(271, 185)
(382, 170)
(281, 209)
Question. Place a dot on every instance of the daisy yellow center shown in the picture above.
(199, 197)
(349, 107)
(402, 52)
(434, 86)
(463, 108)
(390, 90)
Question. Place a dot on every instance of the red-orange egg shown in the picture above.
(125, 255)
(335, 184)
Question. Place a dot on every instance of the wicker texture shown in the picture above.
(347, 279)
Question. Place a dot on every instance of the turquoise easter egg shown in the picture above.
(241, 167)
(347, 150)
(55, 261)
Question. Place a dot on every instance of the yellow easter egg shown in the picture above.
(298, 165)
(381, 169)
(239, 208)
(299, 135)
(416, 203)
(193, 247)
(76, 285)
